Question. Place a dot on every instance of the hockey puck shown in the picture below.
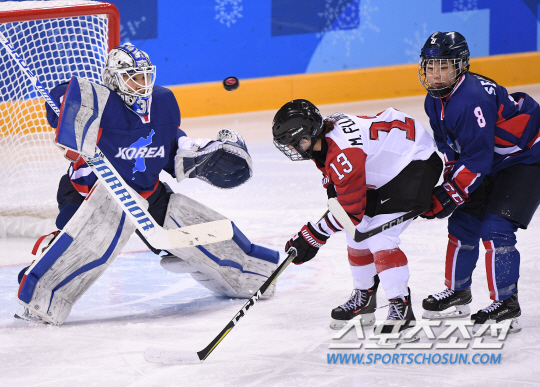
(231, 83)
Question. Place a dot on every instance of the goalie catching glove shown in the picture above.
(224, 163)
(306, 243)
(444, 200)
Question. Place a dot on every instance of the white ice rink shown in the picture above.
(281, 342)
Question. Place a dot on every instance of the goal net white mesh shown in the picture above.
(55, 49)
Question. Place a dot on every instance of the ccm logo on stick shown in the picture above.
(248, 305)
(393, 223)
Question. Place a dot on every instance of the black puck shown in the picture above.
(231, 83)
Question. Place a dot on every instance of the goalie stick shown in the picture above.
(343, 218)
(165, 356)
(156, 235)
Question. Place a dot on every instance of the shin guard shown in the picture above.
(78, 256)
(233, 268)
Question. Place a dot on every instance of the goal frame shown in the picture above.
(53, 12)
(31, 225)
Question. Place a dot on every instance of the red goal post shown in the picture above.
(58, 39)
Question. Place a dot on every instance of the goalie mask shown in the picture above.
(129, 72)
(295, 128)
(444, 57)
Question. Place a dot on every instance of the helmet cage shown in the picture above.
(125, 80)
(122, 71)
(293, 149)
(453, 70)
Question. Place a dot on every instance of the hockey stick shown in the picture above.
(343, 218)
(131, 202)
(164, 356)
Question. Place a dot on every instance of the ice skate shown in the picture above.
(361, 305)
(499, 311)
(399, 320)
(447, 304)
(23, 313)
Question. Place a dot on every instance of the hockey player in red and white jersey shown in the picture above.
(379, 168)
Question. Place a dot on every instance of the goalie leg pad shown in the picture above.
(87, 245)
(233, 268)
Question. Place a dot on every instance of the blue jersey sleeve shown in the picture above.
(474, 140)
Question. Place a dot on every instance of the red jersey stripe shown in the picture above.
(515, 125)
(82, 189)
(464, 178)
(535, 138)
(146, 194)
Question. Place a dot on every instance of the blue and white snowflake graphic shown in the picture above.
(466, 8)
(346, 20)
(228, 11)
(416, 43)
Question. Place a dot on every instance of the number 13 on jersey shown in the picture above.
(344, 164)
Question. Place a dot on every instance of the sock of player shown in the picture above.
(393, 272)
(362, 266)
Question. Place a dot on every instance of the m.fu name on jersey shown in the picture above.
(142, 152)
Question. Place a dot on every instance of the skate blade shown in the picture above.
(515, 326)
(365, 320)
(458, 311)
(24, 314)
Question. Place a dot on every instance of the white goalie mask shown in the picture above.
(129, 72)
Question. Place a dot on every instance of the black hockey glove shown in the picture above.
(307, 243)
(331, 191)
(444, 201)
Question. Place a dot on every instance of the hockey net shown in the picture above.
(57, 39)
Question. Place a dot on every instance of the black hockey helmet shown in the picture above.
(295, 128)
(443, 49)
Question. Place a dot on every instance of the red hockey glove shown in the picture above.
(444, 201)
(307, 243)
(325, 181)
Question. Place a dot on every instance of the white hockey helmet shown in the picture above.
(129, 72)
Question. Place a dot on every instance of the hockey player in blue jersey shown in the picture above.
(491, 188)
(137, 127)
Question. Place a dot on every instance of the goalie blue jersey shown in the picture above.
(483, 129)
(138, 147)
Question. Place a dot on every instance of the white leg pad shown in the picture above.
(233, 268)
(89, 243)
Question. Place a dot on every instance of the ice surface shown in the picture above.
(282, 341)
(163, 356)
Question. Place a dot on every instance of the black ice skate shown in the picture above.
(362, 305)
(499, 311)
(448, 304)
(400, 318)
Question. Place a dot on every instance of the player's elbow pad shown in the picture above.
(224, 163)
